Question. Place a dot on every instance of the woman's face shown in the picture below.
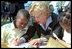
(41, 17)
(21, 22)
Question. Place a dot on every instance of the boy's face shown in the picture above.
(66, 21)
(21, 22)
(66, 27)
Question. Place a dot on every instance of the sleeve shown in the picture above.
(43, 39)
(58, 31)
(3, 34)
(30, 33)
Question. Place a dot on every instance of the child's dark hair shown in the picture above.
(24, 12)
(65, 20)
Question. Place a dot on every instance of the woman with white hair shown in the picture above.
(45, 23)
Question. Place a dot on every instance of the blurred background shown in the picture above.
(9, 9)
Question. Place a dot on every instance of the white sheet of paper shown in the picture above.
(23, 45)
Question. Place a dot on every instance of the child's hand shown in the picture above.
(15, 41)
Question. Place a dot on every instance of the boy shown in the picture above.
(65, 22)
(11, 33)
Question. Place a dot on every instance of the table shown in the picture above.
(52, 43)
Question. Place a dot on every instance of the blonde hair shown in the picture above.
(40, 6)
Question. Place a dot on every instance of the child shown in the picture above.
(11, 33)
(65, 22)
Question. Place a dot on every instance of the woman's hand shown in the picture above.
(35, 42)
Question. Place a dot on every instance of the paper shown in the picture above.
(23, 45)
(52, 43)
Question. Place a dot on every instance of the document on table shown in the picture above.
(23, 45)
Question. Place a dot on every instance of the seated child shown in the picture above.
(65, 22)
(12, 32)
